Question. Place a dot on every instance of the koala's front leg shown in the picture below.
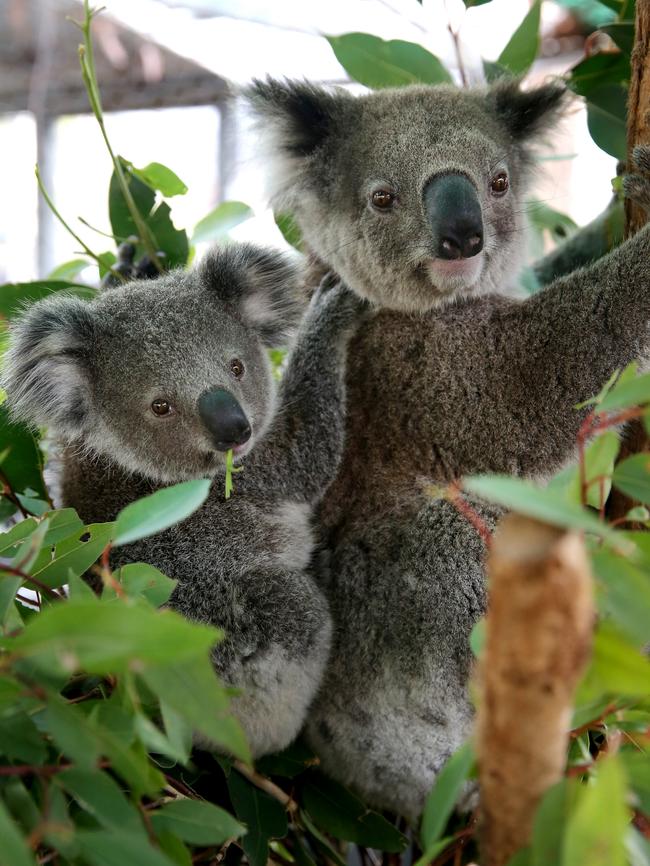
(302, 451)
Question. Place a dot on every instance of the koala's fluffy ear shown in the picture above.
(527, 113)
(45, 372)
(294, 119)
(264, 286)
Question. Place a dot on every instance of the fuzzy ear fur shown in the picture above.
(527, 113)
(294, 119)
(265, 286)
(45, 372)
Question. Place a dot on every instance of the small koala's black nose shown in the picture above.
(224, 418)
(454, 213)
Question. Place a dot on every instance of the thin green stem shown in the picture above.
(69, 229)
(89, 75)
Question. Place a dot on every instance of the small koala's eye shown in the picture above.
(500, 183)
(383, 199)
(161, 408)
(237, 368)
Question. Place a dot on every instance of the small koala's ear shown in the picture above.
(527, 113)
(264, 286)
(293, 118)
(45, 371)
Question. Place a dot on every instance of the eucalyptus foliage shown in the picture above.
(100, 697)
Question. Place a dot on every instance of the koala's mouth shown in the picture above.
(450, 275)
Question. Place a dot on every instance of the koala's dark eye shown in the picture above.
(237, 368)
(500, 183)
(161, 408)
(383, 199)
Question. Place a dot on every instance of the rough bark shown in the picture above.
(539, 628)
(638, 132)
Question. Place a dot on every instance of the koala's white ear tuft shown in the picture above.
(527, 113)
(264, 286)
(46, 367)
(294, 119)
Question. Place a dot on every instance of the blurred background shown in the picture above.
(165, 68)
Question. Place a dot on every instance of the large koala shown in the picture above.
(415, 197)
(152, 383)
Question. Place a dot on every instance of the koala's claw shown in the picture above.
(636, 185)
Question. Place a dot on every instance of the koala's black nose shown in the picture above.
(454, 213)
(224, 418)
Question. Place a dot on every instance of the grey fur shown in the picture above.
(436, 390)
(90, 371)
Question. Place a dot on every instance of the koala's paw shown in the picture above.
(636, 185)
(341, 307)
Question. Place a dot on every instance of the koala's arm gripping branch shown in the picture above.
(301, 454)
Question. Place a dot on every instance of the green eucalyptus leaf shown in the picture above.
(108, 848)
(626, 393)
(520, 52)
(69, 270)
(197, 822)
(159, 177)
(21, 461)
(99, 794)
(607, 118)
(595, 832)
(337, 811)
(15, 296)
(70, 730)
(14, 850)
(377, 63)
(140, 580)
(160, 510)
(290, 229)
(221, 221)
(74, 554)
(444, 795)
(626, 594)
(264, 817)
(632, 476)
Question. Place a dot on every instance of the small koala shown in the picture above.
(415, 197)
(152, 383)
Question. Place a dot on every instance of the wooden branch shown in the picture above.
(539, 628)
(635, 439)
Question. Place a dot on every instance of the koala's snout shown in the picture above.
(454, 213)
(224, 418)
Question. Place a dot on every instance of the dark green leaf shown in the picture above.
(160, 510)
(179, 731)
(632, 476)
(74, 554)
(339, 812)
(158, 176)
(108, 848)
(14, 296)
(73, 735)
(617, 666)
(376, 63)
(607, 119)
(520, 52)
(99, 794)
(220, 221)
(471, 3)
(121, 220)
(444, 795)
(493, 71)
(263, 816)
(20, 739)
(293, 760)
(598, 70)
(197, 822)
(171, 241)
(13, 850)
(21, 461)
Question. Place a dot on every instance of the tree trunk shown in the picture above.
(638, 132)
(539, 628)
